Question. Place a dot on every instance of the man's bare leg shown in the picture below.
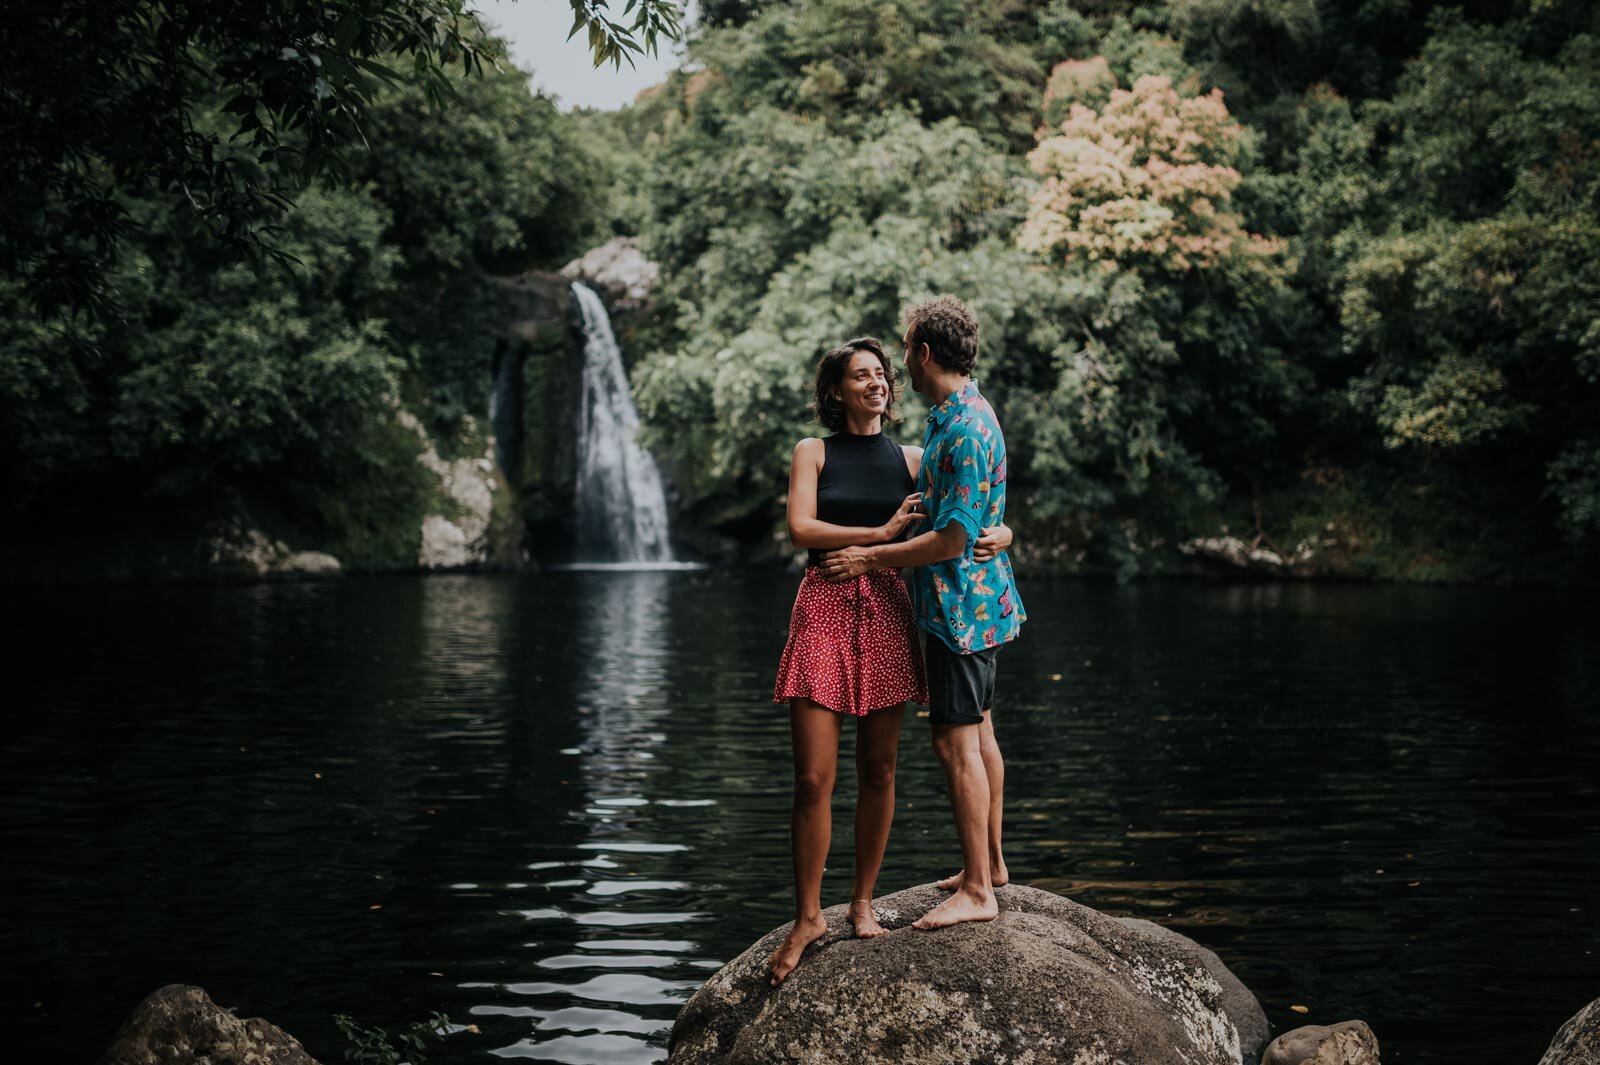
(877, 749)
(994, 768)
(815, 730)
(958, 748)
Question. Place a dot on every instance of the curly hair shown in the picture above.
(950, 330)
(830, 379)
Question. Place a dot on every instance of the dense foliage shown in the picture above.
(1305, 271)
(1302, 271)
(273, 382)
(222, 111)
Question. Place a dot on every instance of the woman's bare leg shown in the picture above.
(877, 749)
(815, 731)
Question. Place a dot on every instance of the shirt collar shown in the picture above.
(946, 408)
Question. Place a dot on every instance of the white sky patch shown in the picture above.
(536, 35)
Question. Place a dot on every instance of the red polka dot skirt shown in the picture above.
(852, 646)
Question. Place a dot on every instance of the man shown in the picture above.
(966, 611)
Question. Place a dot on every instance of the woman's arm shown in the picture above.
(913, 460)
(804, 528)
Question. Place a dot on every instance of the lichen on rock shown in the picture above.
(180, 1025)
(1578, 1041)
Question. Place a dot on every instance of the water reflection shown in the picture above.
(621, 628)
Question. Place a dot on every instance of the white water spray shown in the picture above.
(622, 508)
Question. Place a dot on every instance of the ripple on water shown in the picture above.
(678, 945)
(625, 887)
(613, 919)
(608, 961)
(633, 989)
(602, 1049)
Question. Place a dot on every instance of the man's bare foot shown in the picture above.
(787, 957)
(999, 878)
(863, 919)
(958, 909)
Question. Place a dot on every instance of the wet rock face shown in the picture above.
(1578, 1041)
(1345, 1043)
(1048, 981)
(180, 1025)
(470, 485)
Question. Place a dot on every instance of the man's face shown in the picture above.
(914, 365)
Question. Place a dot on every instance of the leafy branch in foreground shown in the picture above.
(371, 1046)
(612, 42)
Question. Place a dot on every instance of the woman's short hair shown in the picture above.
(950, 330)
(830, 379)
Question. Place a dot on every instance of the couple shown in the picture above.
(860, 646)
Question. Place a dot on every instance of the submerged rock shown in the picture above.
(1578, 1041)
(180, 1025)
(307, 565)
(1345, 1043)
(1048, 981)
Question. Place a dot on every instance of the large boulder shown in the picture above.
(1578, 1041)
(1345, 1043)
(180, 1025)
(1048, 981)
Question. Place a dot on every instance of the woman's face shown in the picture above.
(865, 389)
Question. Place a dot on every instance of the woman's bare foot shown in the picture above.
(1000, 878)
(864, 920)
(958, 909)
(787, 957)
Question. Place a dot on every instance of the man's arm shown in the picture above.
(963, 487)
(948, 542)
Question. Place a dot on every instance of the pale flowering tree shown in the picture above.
(1172, 374)
(1146, 179)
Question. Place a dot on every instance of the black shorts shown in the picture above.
(960, 687)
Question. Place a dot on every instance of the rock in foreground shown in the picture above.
(180, 1024)
(1345, 1043)
(1048, 981)
(1578, 1041)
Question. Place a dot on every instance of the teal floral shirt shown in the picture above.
(969, 606)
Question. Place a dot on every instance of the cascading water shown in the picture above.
(622, 509)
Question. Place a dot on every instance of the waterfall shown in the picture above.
(505, 412)
(622, 509)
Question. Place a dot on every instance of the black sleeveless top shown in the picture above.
(862, 482)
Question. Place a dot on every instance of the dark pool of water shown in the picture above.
(551, 806)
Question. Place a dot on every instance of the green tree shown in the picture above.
(1469, 291)
(100, 103)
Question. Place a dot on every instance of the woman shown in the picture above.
(852, 649)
